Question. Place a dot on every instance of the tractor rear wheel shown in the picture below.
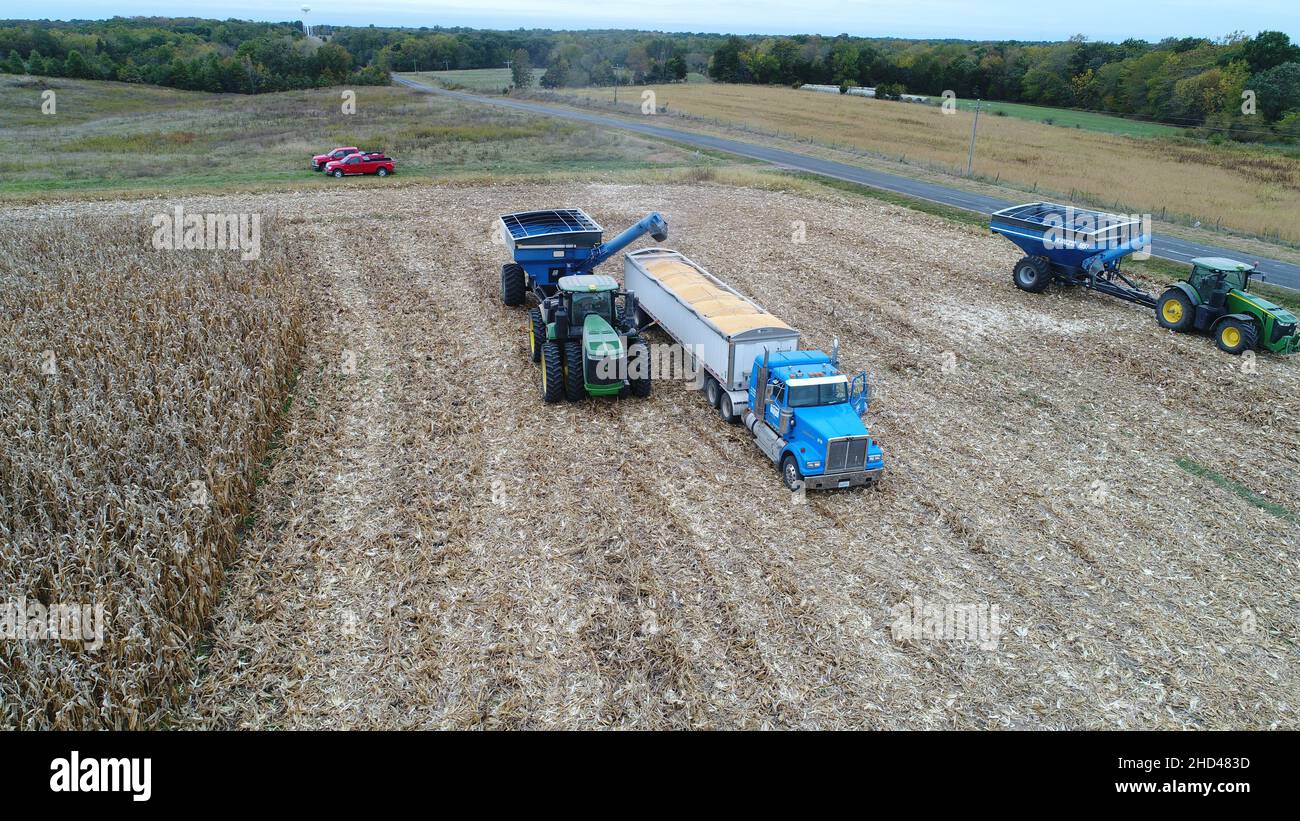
(536, 334)
(638, 368)
(1032, 274)
(512, 284)
(1174, 310)
(552, 373)
(1235, 336)
(711, 391)
(575, 385)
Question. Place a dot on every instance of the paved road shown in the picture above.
(1278, 272)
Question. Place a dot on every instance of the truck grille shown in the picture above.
(849, 453)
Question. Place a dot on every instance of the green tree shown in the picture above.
(332, 63)
(1277, 90)
(14, 65)
(1269, 49)
(75, 66)
(521, 69)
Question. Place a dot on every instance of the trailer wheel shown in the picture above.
(711, 391)
(1235, 336)
(512, 284)
(1032, 274)
(552, 373)
(1174, 310)
(790, 473)
(638, 367)
(575, 386)
(727, 410)
(536, 334)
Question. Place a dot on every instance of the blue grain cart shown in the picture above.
(554, 243)
(1073, 246)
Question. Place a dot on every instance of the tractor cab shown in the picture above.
(1214, 277)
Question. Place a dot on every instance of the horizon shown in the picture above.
(998, 20)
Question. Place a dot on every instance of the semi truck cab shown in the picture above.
(807, 417)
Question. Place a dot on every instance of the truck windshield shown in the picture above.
(827, 393)
(584, 304)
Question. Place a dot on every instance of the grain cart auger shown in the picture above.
(1076, 246)
(549, 245)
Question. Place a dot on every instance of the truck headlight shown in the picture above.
(814, 464)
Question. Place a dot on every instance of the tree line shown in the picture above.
(1247, 87)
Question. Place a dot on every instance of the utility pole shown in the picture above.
(970, 158)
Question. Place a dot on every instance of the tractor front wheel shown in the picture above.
(1235, 336)
(638, 367)
(1032, 274)
(552, 373)
(512, 284)
(536, 334)
(575, 386)
(1174, 310)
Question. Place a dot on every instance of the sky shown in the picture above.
(970, 19)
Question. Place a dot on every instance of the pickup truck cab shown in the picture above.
(807, 417)
(318, 162)
(375, 162)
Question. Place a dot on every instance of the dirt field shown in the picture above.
(433, 547)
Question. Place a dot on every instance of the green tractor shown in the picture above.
(1214, 299)
(586, 342)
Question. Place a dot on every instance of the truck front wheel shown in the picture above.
(790, 473)
(338, 173)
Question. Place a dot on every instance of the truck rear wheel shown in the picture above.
(512, 284)
(552, 373)
(575, 386)
(711, 391)
(638, 367)
(790, 473)
(536, 334)
(1032, 274)
(383, 172)
(1235, 336)
(727, 410)
(1174, 310)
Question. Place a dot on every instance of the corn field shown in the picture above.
(139, 392)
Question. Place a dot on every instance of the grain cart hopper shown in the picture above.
(1076, 246)
(551, 244)
(807, 417)
(585, 343)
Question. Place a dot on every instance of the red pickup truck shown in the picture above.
(318, 162)
(375, 162)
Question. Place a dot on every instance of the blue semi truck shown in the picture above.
(804, 413)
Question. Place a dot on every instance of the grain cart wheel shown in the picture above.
(638, 368)
(1235, 335)
(727, 410)
(575, 386)
(1032, 274)
(1174, 310)
(512, 283)
(790, 473)
(711, 391)
(536, 333)
(552, 373)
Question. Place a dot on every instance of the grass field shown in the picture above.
(1072, 118)
(1247, 189)
(475, 79)
(116, 137)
